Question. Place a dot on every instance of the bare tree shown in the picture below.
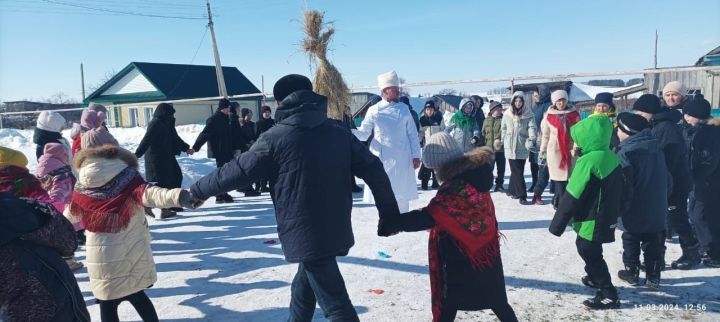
(447, 91)
(59, 98)
(404, 91)
(108, 76)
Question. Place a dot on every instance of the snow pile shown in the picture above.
(224, 263)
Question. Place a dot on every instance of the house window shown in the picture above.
(692, 92)
(148, 115)
(113, 118)
(133, 116)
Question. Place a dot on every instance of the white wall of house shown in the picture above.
(133, 82)
(139, 114)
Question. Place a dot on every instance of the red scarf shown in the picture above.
(19, 182)
(468, 216)
(563, 122)
(108, 209)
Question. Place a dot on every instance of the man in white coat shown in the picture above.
(395, 141)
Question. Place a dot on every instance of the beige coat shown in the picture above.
(550, 145)
(120, 264)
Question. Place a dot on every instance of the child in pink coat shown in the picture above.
(55, 173)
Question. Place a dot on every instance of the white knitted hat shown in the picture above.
(556, 95)
(676, 87)
(50, 121)
(439, 149)
(389, 79)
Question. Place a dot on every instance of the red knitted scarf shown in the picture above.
(108, 209)
(19, 182)
(563, 122)
(468, 217)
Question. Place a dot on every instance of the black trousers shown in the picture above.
(425, 173)
(680, 222)
(504, 313)
(560, 190)
(319, 282)
(139, 300)
(595, 265)
(652, 253)
(517, 178)
(500, 164)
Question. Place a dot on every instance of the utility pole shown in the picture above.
(656, 42)
(218, 67)
(82, 81)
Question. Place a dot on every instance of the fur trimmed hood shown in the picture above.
(469, 161)
(107, 151)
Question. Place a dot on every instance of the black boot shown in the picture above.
(435, 184)
(630, 274)
(355, 189)
(499, 187)
(424, 185)
(652, 276)
(712, 262)
(524, 201)
(604, 299)
(167, 213)
(689, 260)
(587, 281)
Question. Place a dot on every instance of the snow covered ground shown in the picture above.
(218, 263)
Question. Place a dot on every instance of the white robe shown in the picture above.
(396, 143)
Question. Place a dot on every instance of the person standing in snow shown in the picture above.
(395, 140)
(593, 203)
(109, 198)
(309, 161)
(248, 133)
(556, 144)
(463, 127)
(91, 118)
(540, 175)
(218, 134)
(479, 115)
(263, 124)
(36, 283)
(704, 152)
(517, 134)
(466, 271)
(160, 145)
(492, 132)
(642, 219)
(430, 123)
(604, 105)
(664, 126)
(48, 129)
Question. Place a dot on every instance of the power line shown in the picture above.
(123, 12)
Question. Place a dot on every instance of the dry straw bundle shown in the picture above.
(328, 80)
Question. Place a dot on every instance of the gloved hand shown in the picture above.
(497, 145)
(186, 200)
(529, 144)
(389, 226)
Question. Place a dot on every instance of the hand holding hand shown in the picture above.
(388, 226)
(188, 201)
(190, 151)
(416, 163)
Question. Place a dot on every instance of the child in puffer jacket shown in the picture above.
(57, 178)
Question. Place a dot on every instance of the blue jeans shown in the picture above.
(319, 281)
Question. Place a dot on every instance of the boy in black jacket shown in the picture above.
(643, 218)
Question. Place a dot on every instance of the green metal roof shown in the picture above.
(175, 82)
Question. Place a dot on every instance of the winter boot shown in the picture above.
(603, 300)
(587, 281)
(652, 276)
(499, 188)
(424, 185)
(688, 260)
(167, 213)
(224, 198)
(148, 212)
(538, 200)
(524, 201)
(631, 275)
(355, 189)
(712, 262)
(177, 209)
(435, 184)
(252, 193)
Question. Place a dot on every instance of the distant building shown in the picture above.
(132, 94)
(16, 119)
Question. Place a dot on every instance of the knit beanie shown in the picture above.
(289, 84)
(631, 123)
(96, 138)
(647, 103)
(494, 105)
(12, 157)
(224, 103)
(90, 119)
(97, 107)
(439, 149)
(557, 95)
(605, 98)
(699, 107)
(430, 104)
(389, 79)
(50, 121)
(676, 87)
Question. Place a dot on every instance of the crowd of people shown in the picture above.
(652, 172)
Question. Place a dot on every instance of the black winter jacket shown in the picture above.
(160, 145)
(218, 132)
(263, 125)
(37, 284)
(705, 163)
(647, 184)
(669, 133)
(309, 161)
(42, 137)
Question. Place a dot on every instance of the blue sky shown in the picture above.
(43, 43)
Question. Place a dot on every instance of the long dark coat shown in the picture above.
(160, 145)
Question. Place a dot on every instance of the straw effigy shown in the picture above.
(328, 81)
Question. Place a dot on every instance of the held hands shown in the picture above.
(416, 163)
(389, 226)
(188, 201)
(190, 151)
